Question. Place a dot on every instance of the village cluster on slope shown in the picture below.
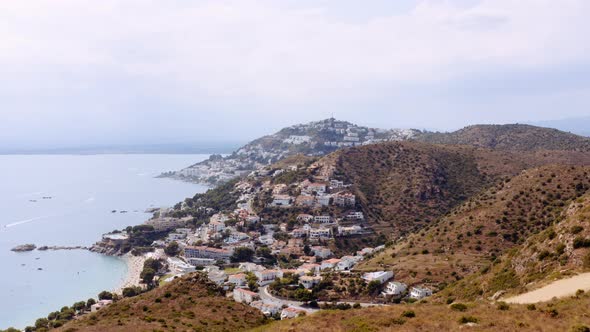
(276, 240)
(312, 139)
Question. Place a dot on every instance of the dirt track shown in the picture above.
(559, 288)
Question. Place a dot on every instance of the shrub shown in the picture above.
(468, 319)
(531, 307)
(544, 254)
(580, 328)
(458, 307)
(576, 229)
(503, 306)
(409, 314)
(581, 242)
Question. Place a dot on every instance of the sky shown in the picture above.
(80, 72)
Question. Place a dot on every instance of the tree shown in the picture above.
(264, 252)
(147, 275)
(373, 287)
(252, 281)
(79, 306)
(242, 254)
(131, 291)
(105, 295)
(89, 303)
(307, 250)
(41, 322)
(172, 249)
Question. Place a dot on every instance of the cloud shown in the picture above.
(102, 57)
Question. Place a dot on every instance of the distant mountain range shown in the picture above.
(579, 126)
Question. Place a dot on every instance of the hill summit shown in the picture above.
(312, 139)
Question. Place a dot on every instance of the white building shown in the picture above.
(281, 200)
(381, 276)
(245, 296)
(320, 233)
(305, 217)
(395, 288)
(308, 282)
(349, 230)
(329, 263)
(266, 277)
(291, 312)
(324, 200)
(238, 279)
(100, 304)
(420, 293)
(322, 219)
(267, 308)
(179, 265)
(355, 216)
(216, 226)
(321, 252)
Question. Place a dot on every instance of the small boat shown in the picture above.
(39, 269)
(33, 200)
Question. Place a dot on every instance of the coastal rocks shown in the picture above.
(24, 247)
(43, 248)
(31, 247)
(103, 248)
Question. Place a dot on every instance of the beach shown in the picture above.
(134, 268)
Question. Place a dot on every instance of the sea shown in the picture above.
(67, 200)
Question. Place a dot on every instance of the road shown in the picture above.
(559, 288)
(266, 296)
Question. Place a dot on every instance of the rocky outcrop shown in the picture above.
(24, 247)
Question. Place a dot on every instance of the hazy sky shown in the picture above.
(134, 71)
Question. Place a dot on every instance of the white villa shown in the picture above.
(245, 296)
(381, 276)
(420, 293)
(395, 288)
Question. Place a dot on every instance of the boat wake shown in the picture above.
(26, 221)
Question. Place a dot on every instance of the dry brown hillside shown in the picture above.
(559, 251)
(513, 137)
(191, 303)
(486, 226)
(564, 315)
(405, 186)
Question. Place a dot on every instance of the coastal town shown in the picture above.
(312, 139)
(273, 247)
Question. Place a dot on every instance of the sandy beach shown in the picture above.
(134, 268)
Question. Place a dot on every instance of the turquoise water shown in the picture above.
(83, 190)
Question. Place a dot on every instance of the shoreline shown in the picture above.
(134, 268)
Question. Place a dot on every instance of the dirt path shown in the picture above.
(559, 288)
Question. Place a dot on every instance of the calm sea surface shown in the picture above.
(83, 190)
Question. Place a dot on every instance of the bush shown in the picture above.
(409, 314)
(458, 307)
(503, 306)
(581, 242)
(468, 319)
(531, 307)
(105, 295)
(580, 328)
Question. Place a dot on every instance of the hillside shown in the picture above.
(564, 315)
(311, 139)
(512, 137)
(561, 250)
(486, 226)
(403, 186)
(189, 303)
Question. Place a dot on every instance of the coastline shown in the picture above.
(134, 268)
